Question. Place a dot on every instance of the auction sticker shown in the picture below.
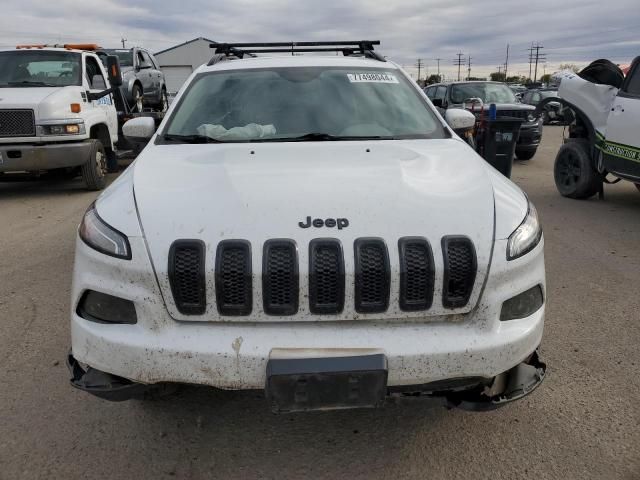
(372, 77)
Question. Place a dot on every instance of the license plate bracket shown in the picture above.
(328, 383)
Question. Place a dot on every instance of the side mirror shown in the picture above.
(139, 130)
(113, 70)
(437, 102)
(460, 120)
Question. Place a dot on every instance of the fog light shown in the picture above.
(522, 305)
(73, 129)
(103, 308)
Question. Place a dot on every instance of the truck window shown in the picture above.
(633, 84)
(143, 59)
(94, 76)
(39, 68)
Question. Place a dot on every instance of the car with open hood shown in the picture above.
(308, 226)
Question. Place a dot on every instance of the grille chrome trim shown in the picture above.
(372, 275)
(234, 278)
(187, 276)
(326, 276)
(417, 273)
(280, 282)
(460, 268)
(17, 122)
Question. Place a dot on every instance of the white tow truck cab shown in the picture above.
(603, 132)
(57, 111)
(309, 226)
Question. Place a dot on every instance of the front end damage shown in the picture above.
(471, 394)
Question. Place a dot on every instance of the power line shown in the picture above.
(459, 62)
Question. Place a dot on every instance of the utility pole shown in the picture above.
(530, 59)
(506, 64)
(123, 40)
(539, 57)
(469, 69)
(419, 65)
(459, 62)
(438, 60)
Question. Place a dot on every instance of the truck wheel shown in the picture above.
(525, 154)
(112, 161)
(574, 175)
(94, 171)
(136, 94)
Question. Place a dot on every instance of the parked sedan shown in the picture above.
(143, 81)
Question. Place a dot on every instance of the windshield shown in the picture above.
(38, 68)
(125, 57)
(488, 92)
(301, 103)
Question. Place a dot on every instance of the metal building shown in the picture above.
(179, 61)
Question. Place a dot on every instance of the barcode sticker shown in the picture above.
(372, 78)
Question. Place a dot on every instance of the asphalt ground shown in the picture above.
(582, 423)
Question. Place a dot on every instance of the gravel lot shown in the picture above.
(583, 422)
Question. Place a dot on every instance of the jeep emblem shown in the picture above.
(329, 222)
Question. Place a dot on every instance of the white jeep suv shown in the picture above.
(311, 227)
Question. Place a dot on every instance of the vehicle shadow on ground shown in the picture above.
(236, 429)
(45, 187)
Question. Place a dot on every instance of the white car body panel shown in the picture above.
(256, 192)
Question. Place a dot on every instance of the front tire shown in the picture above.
(94, 171)
(525, 154)
(574, 175)
(136, 95)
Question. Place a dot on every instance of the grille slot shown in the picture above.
(417, 274)
(280, 277)
(460, 267)
(17, 123)
(372, 275)
(326, 276)
(234, 288)
(513, 113)
(186, 276)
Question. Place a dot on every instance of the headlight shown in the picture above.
(61, 129)
(531, 118)
(103, 238)
(526, 236)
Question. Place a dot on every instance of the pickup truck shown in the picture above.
(57, 112)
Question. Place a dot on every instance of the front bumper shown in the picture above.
(20, 157)
(530, 136)
(234, 355)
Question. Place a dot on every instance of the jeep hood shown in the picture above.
(257, 192)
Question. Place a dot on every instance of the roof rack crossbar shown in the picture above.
(358, 47)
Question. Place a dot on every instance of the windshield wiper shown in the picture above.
(169, 137)
(29, 83)
(322, 137)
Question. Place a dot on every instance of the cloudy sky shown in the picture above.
(571, 31)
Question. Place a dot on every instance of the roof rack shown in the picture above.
(239, 50)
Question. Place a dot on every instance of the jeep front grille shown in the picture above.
(513, 113)
(326, 276)
(372, 275)
(460, 267)
(234, 288)
(280, 277)
(17, 123)
(417, 274)
(186, 276)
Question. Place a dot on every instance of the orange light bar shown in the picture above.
(30, 46)
(82, 46)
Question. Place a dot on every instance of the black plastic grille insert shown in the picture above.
(234, 288)
(417, 273)
(326, 276)
(460, 266)
(17, 123)
(186, 276)
(372, 275)
(280, 277)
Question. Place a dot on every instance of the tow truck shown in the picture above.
(61, 112)
(603, 139)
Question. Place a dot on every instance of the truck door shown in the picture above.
(145, 74)
(621, 149)
(103, 108)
